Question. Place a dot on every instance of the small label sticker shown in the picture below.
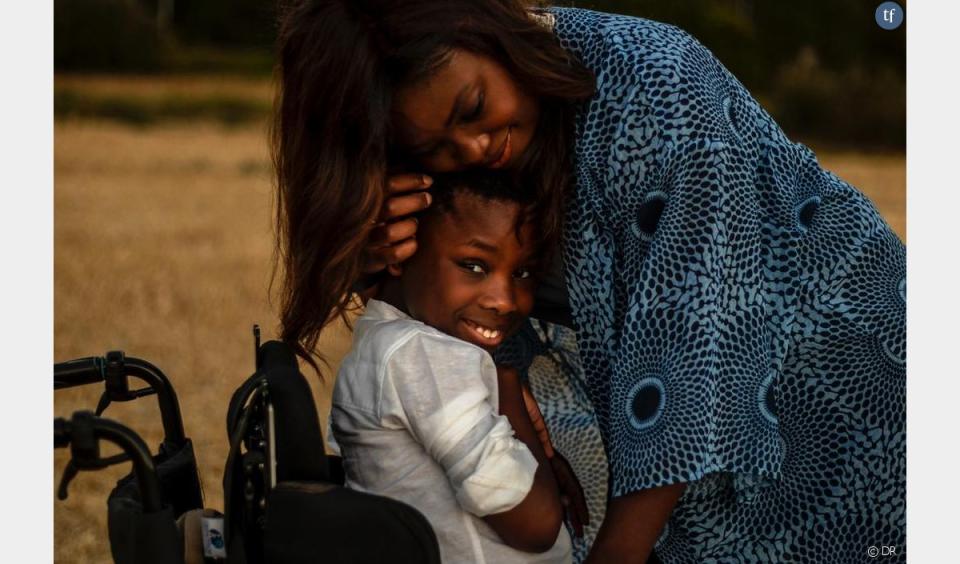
(213, 542)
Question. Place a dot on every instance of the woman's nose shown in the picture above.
(473, 147)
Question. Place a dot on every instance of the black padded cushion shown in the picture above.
(310, 522)
(299, 442)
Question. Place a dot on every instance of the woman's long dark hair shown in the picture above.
(339, 61)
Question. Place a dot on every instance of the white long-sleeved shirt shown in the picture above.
(415, 417)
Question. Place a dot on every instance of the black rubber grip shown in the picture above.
(78, 372)
(61, 433)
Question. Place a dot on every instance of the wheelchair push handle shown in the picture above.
(61, 433)
(115, 369)
(83, 433)
(78, 372)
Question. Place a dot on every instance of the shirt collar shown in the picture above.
(377, 310)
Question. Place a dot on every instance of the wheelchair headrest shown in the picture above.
(273, 354)
(299, 442)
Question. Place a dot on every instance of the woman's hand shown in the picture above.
(393, 240)
(632, 525)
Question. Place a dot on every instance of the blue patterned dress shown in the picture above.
(739, 311)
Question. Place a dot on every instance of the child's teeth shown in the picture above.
(486, 333)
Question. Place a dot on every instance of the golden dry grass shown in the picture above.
(163, 242)
(882, 177)
(148, 86)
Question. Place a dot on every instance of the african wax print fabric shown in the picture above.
(739, 311)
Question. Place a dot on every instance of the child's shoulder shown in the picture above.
(406, 343)
(383, 338)
(399, 353)
(402, 344)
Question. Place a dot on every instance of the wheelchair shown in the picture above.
(284, 499)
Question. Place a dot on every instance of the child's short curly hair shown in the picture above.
(487, 185)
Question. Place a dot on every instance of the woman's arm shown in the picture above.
(533, 525)
(632, 524)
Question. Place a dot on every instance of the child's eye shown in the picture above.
(474, 267)
(523, 274)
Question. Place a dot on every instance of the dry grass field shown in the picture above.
(163, 245)
(152, 86)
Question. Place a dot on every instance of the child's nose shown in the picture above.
(500, 296)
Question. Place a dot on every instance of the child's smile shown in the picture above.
(494, 336)
(472, 274)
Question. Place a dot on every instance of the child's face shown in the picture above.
(471, 276)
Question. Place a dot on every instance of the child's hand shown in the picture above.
(393, 240)
(571, 493)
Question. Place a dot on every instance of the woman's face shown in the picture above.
(470, 113)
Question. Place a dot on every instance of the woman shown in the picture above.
(739, 312)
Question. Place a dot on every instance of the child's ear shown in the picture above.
(395, 269)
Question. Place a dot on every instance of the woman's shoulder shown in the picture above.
(602, 40)
(651, 77)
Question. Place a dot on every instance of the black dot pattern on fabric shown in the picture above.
(767, 297)
(646, 402)
(546, 355)
(770, 401)
(648, 215)
(767, 399)
(807, 211)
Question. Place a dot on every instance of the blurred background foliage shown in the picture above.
(823, 68)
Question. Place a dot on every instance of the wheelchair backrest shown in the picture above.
(282, 499)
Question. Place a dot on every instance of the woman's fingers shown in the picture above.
(401, 205)
(398, 183)
(376, 259)
(405, 194)
(391, 233)
(390, 243)
(393, 240)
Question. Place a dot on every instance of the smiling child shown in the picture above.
(420, 411)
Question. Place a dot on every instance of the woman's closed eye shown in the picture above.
(425, 152)
(477, 110)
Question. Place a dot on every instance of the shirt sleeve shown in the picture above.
(681, 265)
(444, 392)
